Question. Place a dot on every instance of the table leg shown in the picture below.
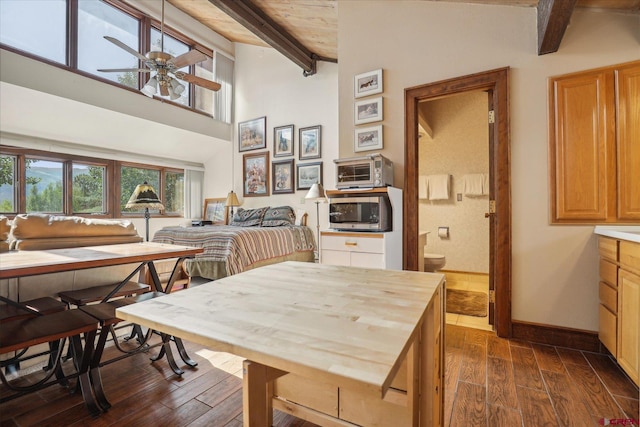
(82, 359)
(256, 401)
(166, 349)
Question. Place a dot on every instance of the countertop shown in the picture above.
(630, 233)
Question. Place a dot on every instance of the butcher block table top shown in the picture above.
(342, 325)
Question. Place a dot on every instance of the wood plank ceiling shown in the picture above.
(306, 30)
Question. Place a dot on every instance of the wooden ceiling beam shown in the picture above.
(259, 23)
(553, 19)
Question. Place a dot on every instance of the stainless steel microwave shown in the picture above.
(360, 213)
(370, 171)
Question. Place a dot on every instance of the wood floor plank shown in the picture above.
(501, 389)
(525, 368)
(477, 336)
(631, 407)
(570, 409)
(222, 391)
(223, 413)
(568, 355)
(498, 347)
(501, 416)
(474, 364)
(454, 336)
(548, 358)
(195, 388)
(612, 376)
(469, 409)
(599, 402)
(453, 360)
(537, 410)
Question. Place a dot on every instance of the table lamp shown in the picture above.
(144, 197)
(232, 201)
(316, 192)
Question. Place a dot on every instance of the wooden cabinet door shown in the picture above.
(582, 146)
(629, 323)
(628, 134)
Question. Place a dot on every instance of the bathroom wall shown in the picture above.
(459, 145)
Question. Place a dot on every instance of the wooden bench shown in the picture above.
(45, 305)
(82, 297)
(22, 333)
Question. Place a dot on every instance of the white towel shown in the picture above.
(422, 187)
(485, 184)
(438, 187)
(473, 184)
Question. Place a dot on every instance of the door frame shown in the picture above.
(496, 84)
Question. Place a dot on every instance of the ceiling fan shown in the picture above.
(166, 67)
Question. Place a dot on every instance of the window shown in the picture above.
(8, 188)
(44, 192)
(78, 185)
(96, 20)
(88, 189)
(35, 26)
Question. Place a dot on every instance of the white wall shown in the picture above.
(268, 84)
(555, 272)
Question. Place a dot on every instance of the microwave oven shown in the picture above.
(370, 171)
(360, 213)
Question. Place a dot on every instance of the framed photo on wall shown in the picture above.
(216, 211)
(283, 141)
(369, 83)
(283, 176)
(310, 143)
(255, 170)
(308, 174)
(251, 134)
(368, 110)
(369, 138)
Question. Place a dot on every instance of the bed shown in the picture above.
(245, 244)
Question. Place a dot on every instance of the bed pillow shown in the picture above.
(278, 217)
(248, 217)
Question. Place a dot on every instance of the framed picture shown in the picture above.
(366, 84)
(282, 174)
(251, 134)
(309, 174)
(368, 110)
(216, 211)
(283, 141)
(309, 141)
(255, 170)
(368, 138)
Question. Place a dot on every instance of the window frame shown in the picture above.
(146, 23)
(111, 184)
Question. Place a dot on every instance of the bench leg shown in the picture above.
(183, 353)
(82, 360)
(166, 349)
(94, 370)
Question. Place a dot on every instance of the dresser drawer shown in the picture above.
(609, 297)
(609, 272)
(608, 248)
(351, 242)
(630, 256)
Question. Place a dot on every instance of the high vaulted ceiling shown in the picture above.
(306, 30)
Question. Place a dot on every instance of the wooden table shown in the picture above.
(345, 327)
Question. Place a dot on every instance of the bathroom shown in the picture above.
(453, 200)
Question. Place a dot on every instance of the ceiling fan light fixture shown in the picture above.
(149, 89)
(172, 93)
(177, 87)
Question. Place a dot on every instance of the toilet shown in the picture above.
(434, 262)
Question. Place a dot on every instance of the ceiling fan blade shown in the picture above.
(116, 70)
(207, 84)
(189, 58)
(127, 48)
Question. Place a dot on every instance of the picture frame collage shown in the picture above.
(368, 110)
(287, 176)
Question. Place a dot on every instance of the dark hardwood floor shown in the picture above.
(489, 382)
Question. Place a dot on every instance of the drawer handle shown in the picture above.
(350, 244)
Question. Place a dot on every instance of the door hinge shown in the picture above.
(492, 296)
(492, 206)
(492, 116)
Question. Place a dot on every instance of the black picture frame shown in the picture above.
(307, 174)
(252, 134)
(310, 143)
(283, 141)
(282, 177)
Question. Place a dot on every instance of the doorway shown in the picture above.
(496, 84)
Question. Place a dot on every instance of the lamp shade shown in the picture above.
(144, 196)
(232, 199)
(315, 192)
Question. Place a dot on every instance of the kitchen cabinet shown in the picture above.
(593, 145)
(369, 250)
(619, 308)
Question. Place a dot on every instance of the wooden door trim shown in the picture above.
(496, 83)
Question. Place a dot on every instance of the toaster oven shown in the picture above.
(370, 171)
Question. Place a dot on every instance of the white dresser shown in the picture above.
(366, 249)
